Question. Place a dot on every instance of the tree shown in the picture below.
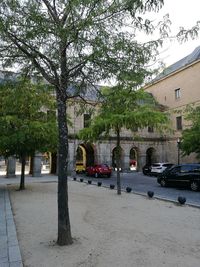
(74, 42)
(186, 34)
(123, 108)
(190, 141)
(24, 124)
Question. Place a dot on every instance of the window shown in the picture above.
(177, 93)
(168, 165)
(179, 123)
(176, 170)
(196, 169)
(156, 165)
(185, 168)
(150, 129)
(86, 120)
(135, 129)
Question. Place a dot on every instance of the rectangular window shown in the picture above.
(135, 129)
(179, 123)
(177, 93)
(150, 129)
(86, 120)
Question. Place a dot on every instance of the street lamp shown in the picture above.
(178, 146)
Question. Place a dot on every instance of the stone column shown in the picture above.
(37, 165)
(126, 166)
(141, 161)
(11, 167)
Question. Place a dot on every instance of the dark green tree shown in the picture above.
(190, 140)
(123, 108)
(75, 42)
(24, 124)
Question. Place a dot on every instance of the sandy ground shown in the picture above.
(108, 230)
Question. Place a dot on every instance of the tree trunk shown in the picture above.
(31, 165)
(53, 163)
(118, 163)
(22, 183)
(64, 229)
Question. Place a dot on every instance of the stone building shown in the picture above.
(176, 87)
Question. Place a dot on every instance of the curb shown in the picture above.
(143, 194)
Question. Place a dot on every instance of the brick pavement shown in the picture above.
(10, 255)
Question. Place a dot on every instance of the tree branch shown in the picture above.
(52, 10)
(16, 40)
(33, 59)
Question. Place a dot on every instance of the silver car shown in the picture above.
(157, 168)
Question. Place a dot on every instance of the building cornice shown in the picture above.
(171, 74)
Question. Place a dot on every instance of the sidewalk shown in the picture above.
(10, 255)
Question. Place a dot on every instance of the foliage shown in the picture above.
(95, 39)
(186, 34)
(190, 141)
(24, 126)
(76, 42)
(124, 108)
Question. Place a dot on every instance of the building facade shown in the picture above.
(175, 88)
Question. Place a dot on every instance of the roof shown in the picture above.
(88, 92)
(194, 56)
(91, 93)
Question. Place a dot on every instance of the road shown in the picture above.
(141, 184)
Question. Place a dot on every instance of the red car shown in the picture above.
(99, 170)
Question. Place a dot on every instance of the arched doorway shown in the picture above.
(84, 157)
(150, 156)
(114, 158)
(133, 158)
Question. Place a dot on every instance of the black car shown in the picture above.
(181, 175)
(146, 169)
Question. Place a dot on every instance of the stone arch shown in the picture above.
(114, 156)
(151, 156)
(133, 158)
(85, 153)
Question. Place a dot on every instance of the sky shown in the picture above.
(181, 13)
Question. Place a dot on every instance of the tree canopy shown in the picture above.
(87, 40)
(123, 108)
(190, 141)
(25, 126)
(77, 42)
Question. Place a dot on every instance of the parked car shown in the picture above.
(146, 169)
(99, 170)
(158, 168)
(181, 175)
(80, 168)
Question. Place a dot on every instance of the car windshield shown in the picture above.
(167, 170)
(167, 165)
(102, 166)
(156, 165)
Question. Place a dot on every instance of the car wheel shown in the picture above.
(163, 183)
(194, 186)
(96, 175)
(108, 175)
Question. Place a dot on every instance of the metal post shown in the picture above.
(74, 150)
(178, 146)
